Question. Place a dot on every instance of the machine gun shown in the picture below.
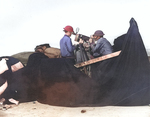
(86, 61)
(82, 53)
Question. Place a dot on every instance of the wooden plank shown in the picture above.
(97, 59)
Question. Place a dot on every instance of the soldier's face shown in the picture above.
(40, 50)
(96, 38)
(69, 33)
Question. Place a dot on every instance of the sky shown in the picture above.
(27, 23)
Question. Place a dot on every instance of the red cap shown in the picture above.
(69, 29)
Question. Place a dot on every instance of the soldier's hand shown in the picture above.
(91, 37)
(91, 40)
(80, 41)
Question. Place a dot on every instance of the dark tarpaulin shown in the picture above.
(33, 64)
(7, 74)
(118, 43)
(55, 82)
(59, 83)
(125, 80)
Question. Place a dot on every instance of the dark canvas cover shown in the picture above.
(120, 81)
(125, 80)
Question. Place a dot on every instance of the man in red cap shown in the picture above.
(101, 46)
(66, 47)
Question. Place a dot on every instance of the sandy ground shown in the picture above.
(36, 109)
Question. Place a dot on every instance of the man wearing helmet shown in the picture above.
(101, 46)
(66, 47)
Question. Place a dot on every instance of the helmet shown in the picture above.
(98, 33)
(69, 29)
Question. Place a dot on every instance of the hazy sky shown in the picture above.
(27, 23)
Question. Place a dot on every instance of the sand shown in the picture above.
(36, 109)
